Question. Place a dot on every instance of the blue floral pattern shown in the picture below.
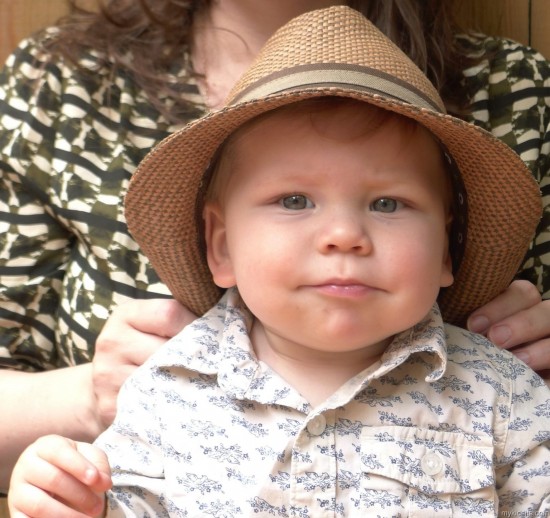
(446, 424)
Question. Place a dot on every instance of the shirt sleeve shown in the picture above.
(34, 244)
(134, 447)
(522, 464)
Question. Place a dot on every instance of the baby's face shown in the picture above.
(335, 232)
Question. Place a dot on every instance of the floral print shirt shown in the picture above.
(445, 424)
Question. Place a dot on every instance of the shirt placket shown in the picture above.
(314, 467)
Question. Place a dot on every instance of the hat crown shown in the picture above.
(338, 46)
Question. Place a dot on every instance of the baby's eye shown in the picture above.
(296, 202)
(385, 205)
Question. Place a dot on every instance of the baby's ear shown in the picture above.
(447, 277)
(217, 252)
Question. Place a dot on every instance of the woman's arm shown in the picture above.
(80, 402)
(36, 404)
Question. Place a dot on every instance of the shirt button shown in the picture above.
(317, 425)
(431, 464)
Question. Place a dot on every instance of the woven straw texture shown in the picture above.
(335, 35)
(163, 204)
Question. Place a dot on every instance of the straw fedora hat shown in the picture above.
(335, 52)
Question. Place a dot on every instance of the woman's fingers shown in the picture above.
(517, 320)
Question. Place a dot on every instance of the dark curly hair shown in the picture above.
(157, 36)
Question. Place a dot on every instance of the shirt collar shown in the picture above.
(218, 344)
(428, 336)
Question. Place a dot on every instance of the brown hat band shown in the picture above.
(337, 75)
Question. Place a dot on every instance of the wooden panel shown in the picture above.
(4, 508)
(19, 18)
(540, 26)
(508, 18)
(526, 21)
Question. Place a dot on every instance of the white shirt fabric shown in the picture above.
(445, 424)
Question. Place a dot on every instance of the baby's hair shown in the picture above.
(216, 177)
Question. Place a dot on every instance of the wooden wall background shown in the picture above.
(19, 18)
(526, 21)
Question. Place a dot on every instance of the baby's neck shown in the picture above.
(316, 375)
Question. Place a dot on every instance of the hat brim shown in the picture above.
(504, 206)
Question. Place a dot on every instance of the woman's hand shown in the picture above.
(133, 332)
(520, 321)
(59, 477)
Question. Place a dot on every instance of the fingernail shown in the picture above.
(500, 335)
(90, 475)
(478, 324)
(525, 357)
